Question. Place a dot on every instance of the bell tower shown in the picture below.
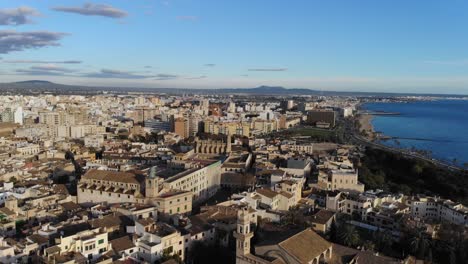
(228, 144)
(152, 184)
(243, 233)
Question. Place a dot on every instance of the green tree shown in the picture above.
(293, 217)
(417, 169)
(383, 241)
(368, 245)
(333, 233)
(420, 243)
(167, 255)
(428, 257)
(348, 235)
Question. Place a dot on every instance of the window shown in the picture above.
(100, 241)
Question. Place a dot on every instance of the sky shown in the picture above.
(418, 46)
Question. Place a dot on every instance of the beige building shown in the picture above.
(203, 181)
(115, 187)
(171, 195)
(28, 150)
(98, 186)
(156, 239)
(322, 220)
(181, 127)
(174, 202)
(90, 243)
(209, 146)
(340, 179)
(227, 128)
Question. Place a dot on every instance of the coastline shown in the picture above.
(378, 138)
(366, 127)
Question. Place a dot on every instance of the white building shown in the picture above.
(91, 243)
(156, 239)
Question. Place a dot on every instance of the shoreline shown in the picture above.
(365, 121)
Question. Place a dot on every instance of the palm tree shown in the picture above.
(383, 240)
(428, 257)
(420, 243)
(333, 233)
(348, 235)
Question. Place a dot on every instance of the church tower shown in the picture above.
(228, 144)
(243, 233)
(152, 184)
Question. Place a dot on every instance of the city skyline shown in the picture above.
(389, 46)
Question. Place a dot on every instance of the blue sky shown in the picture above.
(347, 45)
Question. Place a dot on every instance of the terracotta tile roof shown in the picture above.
(342, 255)
(286, 194)
(38, 239)
(305, 246)
(109, 221)
(322, 216)
(266, 192)
(70, 206)
(6, 211)
(60, 189)
(121, 244)
(117, 176)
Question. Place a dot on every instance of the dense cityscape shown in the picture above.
(207, 179)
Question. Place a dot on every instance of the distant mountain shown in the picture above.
(35, 82)
(266, 90)
(40, 86)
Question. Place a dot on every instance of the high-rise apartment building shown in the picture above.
(181, 127)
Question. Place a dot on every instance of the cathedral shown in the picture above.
(213, 146)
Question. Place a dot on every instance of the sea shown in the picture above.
(439, 126)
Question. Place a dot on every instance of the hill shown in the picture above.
(40, 86)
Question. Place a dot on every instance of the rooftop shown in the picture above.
(305, 246)
(116, 176)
